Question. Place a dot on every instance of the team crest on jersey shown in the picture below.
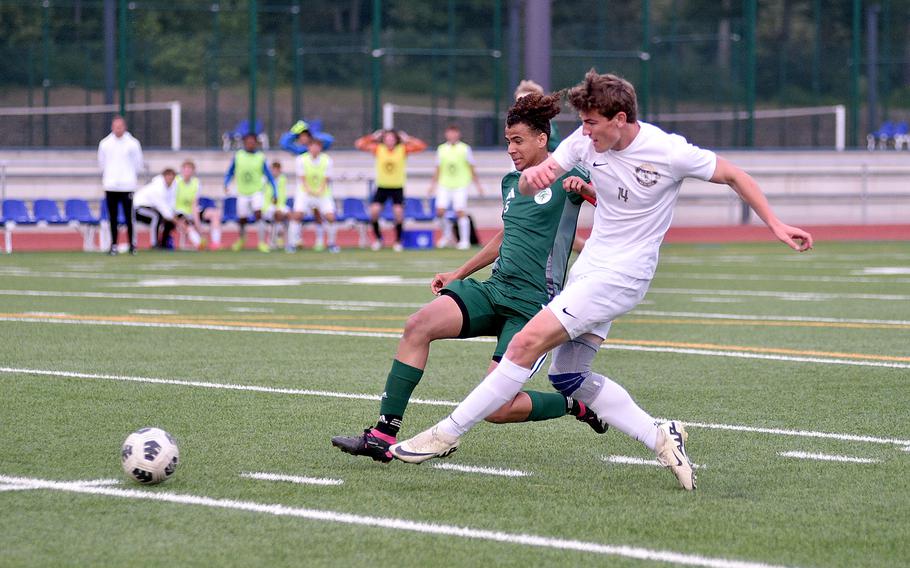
(646, 175)
(543, 196)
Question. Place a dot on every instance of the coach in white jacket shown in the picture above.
(120, 159)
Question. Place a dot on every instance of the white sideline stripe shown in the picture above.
(722, 316)
(152, 312)
(631, 460)
(765, 356)
(858, 278)
(384, 335)
(198, 298)
(485, 470)
(782, 294)
(389, 523)
(355, 396)
(292, 478)
(15, 488)
(88, 483)
(826, 457)
(219, 386)
(251, 310)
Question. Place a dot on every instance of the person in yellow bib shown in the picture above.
(187, 214)
(314, 193)
(454, 173)
(249, 166)
(391, 148)
(276, 214)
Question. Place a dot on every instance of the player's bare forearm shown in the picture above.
(483, 258)
(541, 176)
(747, 188)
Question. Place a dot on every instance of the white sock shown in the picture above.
(445, 227)
(614, 405)
(332, 231)
(464, 230)
(216, 236)
(293, 234)
(498, 388)
(260, 231)
(274, 236)
(194, 237)
(320, 234)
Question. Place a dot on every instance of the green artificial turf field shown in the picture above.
(771, 357)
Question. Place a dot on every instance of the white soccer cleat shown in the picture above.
(424, 446)
(671, 452)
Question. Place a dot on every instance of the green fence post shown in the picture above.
(645, 59)
(31, 93)
(497, 65)
(450, 69)
(251, 17)
(296, 90)
(376, 54)
(214, 83)
(46, 80)
(270, 127)
(121, 55)
(853, 128)
(751, 8)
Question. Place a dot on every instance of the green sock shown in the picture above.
(399, 385)
(546, 405)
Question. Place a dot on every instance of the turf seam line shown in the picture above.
(826, 457)
(388, 523)
(355, 396)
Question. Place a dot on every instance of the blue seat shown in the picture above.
(229, 215)
(413, 209)
(353, 209)
(78, 210)
(15, 211)
(46, 211)
(290, 203)
(450, 214)
(121, 216)
(206, 203)
(387, 212)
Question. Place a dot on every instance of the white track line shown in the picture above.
(262, 476)
(631, 460)
(355, 396)
(200, 298)
(385, 335)
(484, 470)
(783, 294)
(387, 523)
(826, 457)
(746, 317)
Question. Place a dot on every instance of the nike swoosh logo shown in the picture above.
(596, 165)
(567, 313)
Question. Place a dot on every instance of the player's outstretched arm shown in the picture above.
(483, 258)
(747, 188)
(538, 177)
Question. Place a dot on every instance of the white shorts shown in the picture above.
(268, 212)
(594, 297)
(247, 204)
(304, 203)
(456, 198)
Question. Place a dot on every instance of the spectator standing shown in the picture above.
(120, 159)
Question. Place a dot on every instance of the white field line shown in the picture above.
(15, 488)
(88, 483)
(388, 523)
(826, 457)
(385, 335)
(484, 470)
(631, 460)
(356, 396)
(746, 317)
(199, 298)
(153, 312)
(859, 278)
(783, 294)
(262, 476)
(242, 310)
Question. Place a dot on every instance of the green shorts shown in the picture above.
(487, 311)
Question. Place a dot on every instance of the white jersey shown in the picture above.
(120, 159)
(636, 190)
(157, 195)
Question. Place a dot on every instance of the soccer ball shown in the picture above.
(149, 455)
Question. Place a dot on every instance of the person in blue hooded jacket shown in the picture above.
(299, 136)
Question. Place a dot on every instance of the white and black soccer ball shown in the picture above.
(149, 455)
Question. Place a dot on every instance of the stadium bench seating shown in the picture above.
(14, 212)
(414, 210)
(47, 212)
(450, 214)
(79, 214)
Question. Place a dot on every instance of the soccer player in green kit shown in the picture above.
(249, 165)
(533, 251)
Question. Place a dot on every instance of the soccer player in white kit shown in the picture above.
(636, 171)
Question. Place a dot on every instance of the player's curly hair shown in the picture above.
(607, 94)
(535, 110)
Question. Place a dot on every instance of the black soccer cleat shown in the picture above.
(588, 417)
(370, 444)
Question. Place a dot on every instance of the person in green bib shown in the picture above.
(276, 214)
(314, 195)
(530, 258)
(188, 216)
(454, 173)
(249, 167)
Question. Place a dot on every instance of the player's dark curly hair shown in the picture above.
(535, 110)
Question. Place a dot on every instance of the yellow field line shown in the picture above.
(636, 342)
(767, 323)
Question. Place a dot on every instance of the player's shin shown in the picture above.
(496, 389)
(399, 385)
(613, 404)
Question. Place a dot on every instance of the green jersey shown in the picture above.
(248, 171)
(186, 195)
(281, 185)
(539, 232)
(555, 139)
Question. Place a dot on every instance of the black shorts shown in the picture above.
(383, 194)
